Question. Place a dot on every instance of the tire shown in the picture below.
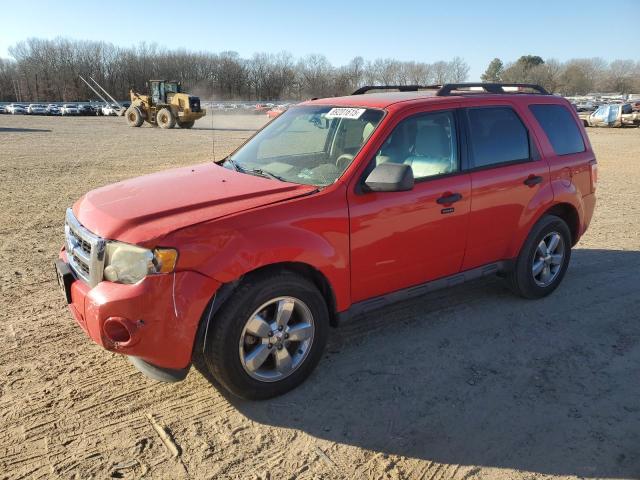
(166, 118)
(228, 356)
(134, 117)
(186, 124)
(523, 279)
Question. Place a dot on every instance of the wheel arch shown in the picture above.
(300, 268)
(569, 214)
(564, 210)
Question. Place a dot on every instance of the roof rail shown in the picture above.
(447, 88)
(400, 88)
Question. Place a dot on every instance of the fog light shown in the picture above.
(116, 330)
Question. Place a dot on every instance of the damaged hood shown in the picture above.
(151, 206)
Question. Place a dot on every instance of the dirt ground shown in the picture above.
(469, 383)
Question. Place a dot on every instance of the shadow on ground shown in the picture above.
(22, 130)
(476, 376)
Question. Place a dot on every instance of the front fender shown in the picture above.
(312, 230)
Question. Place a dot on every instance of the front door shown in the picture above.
(401, 239)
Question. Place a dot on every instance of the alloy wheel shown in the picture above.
(548, 259)
(276, 339)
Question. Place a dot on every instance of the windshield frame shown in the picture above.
(356, 155)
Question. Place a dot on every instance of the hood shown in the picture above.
(153, 205)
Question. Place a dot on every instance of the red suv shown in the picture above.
(335, 208)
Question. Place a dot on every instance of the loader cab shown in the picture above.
(160, 88)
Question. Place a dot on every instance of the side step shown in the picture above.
(369, 305)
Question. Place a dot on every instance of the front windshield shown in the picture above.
(310, 144)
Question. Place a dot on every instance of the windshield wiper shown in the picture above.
(264, 173)
(252, 171)
(233, 163)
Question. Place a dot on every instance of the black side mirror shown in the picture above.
(390, 177)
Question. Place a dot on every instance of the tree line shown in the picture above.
(48, 70)
(574, 77)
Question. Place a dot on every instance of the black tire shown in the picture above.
(186, 124)
(134, 117)
(166, 118)
(221, 351)
(521, 279)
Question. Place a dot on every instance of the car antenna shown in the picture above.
(213, 131)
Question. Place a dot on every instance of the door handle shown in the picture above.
(449, 198)
(533, 180)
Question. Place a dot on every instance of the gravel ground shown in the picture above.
(462, 384)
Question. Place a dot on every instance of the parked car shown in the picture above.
(85, 109)
(261, 108)
(69, 109)
(3, 109)
(612, 115)
(275, 111)
(16, 109)
(53, 109)
(110, 110)
(335, 208)
(36, 109)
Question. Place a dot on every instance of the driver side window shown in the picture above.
(426, 142)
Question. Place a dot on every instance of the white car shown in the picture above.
(16, 109)
(110, 110)
(36, 109)
(69, 109)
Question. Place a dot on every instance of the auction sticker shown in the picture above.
(345, 113)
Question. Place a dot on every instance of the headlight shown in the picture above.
(126, 263)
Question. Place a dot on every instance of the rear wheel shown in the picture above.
(268, 337)
(134, 117)
(165, 118)
(543, 260)
(186, 124)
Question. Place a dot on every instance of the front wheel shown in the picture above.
(134, 117)
(543, 260)
(186, 124)
(268, 337)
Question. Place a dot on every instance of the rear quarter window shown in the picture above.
(560, 127)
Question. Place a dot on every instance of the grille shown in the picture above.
(85, 250)
(194, 104)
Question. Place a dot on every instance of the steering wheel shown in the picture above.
(343, 161)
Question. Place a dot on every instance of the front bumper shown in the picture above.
(161, 314)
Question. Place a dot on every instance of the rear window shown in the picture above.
(497, 136)
(560, 127)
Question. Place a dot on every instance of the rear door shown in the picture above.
(508, 178)
(401, 239)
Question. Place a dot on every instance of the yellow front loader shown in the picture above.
(165, 105)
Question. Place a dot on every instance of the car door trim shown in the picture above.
(371, 304)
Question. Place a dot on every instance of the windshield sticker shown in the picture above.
(345, 113)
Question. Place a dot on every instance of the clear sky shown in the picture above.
(406, 30)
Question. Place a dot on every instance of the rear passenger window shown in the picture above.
(497, 136)
(560, 127)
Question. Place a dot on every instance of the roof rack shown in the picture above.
(447, 89)
(400, 88)
(498, 88)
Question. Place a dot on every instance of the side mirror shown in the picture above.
(390, 177)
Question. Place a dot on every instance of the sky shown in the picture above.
(424, 31)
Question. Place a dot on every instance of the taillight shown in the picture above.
(594, 176)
